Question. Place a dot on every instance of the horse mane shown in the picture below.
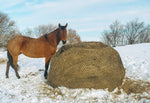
(45, 36)
(63, 27)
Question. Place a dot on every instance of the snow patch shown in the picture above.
(32, 88)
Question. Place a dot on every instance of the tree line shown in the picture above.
(133, 32)
(8, 30)
(72, 36)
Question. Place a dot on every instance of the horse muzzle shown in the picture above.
(64, 42)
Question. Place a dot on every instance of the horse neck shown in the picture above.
(54, 37)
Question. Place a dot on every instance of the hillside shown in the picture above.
(32, 87)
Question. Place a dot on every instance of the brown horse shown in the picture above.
(44, 46)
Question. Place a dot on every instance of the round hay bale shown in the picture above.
(86, 65)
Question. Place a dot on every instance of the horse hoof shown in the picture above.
(18, 77)
(45, 77)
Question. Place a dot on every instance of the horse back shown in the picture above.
(30, 47)
(37, 48)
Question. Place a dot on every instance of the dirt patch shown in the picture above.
(135, 86)
(86, 65)
(50, 92)
(3, 60)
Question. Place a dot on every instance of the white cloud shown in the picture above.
(53, 6)
(33, 13)
(9, 3)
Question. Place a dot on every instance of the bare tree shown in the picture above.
(131, 33)
(145, 35)
(113, 36)
(133, 30)
(28, 32)
(43, 29)
(39, 30)
(73, 37)
(107, 38)
(7, 29)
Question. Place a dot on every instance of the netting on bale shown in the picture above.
(86, 65)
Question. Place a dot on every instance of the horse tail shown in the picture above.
(10, 59)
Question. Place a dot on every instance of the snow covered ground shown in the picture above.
(32, 87)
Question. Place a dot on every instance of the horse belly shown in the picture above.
(33, 50)
(32, 55)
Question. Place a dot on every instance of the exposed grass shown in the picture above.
(135, 86)
(132, 88)
(2, 60)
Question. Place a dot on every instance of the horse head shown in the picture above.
(63, 33)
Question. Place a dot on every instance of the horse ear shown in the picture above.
(66, 25)
(59, 26)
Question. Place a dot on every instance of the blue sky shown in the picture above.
(88, 17)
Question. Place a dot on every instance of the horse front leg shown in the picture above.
(47, 60)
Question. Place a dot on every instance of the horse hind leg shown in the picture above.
(7, 69)
(16, 71)
(13, 62)
(16, 66)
